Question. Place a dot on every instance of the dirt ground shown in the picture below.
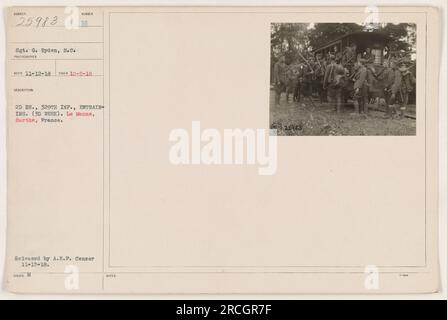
(303, 119)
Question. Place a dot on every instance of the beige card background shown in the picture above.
(106, 189)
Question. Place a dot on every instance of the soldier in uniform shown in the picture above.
(369, 58)
(360, 87)
(404, 85)
(297, 89)
(323, 90)
(332, 81)
(308, 78)
(290, 82)
(408, 81)
(279, 78)
(319, 77)
(386, 78)
(337, 54)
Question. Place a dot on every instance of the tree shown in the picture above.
(287, 39)
(403, 35)
(295, 40)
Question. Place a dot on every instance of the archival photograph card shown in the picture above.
(222, 150)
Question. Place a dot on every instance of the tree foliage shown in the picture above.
(287, 39)
(298, 39)
(403, 35)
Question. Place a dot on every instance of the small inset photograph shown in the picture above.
(343, 79)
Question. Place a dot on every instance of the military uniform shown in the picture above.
(368, 61)
(280, 79)
(333, 83)
(297, 71)
(292, 79)
(403, 86)
(289, 81)
(386, 78)
(361, 89)
(408, 83)
(308, 78)
(318, 82)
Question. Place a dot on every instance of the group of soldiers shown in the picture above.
(338, 76)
